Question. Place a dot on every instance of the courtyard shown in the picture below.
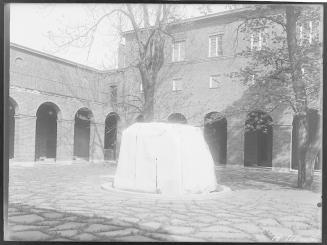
(65, 202)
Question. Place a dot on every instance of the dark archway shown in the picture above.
(215, 134)
(313, 123)
(46, 131)
(12, 112)
(177, 118)
(258, 139)
(110, 136)
(139, 118)
(82, 129)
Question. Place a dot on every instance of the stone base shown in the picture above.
(220, 191)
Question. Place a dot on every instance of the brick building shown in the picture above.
(83, 105)
(50, 99)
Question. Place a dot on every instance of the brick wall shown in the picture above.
(196, 99)
(36, 79)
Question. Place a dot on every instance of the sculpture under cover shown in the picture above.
(165, 158)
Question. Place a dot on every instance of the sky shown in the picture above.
(37, 25)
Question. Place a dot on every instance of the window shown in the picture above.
(178, 51)
(303, 73)
(123, 41)
(214, 81)
(251, 79)
(177, 84)
(113, 94)
(18, 62)
(141, 87)
(310, 32)
(231, 6)
(307, 32)
(300, 31)
(216, 45)
(258, 39)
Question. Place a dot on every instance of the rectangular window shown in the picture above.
(310, 32)
(214, 81)
(178, 51)
(216, 45)
(303, 72)
(313, 31)
(251, 80)
(300, 30)
(177, 84)
(258, 39)
(113, 94)
(307, 32)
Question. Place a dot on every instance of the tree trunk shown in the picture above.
(300, 95)
(151, 62)
(313, 153)
(302, 148)
(148, 110)
(148, 88)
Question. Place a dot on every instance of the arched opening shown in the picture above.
(215, 134)
(46, 132)
(12, 112)
(110, 136)
(177, 118)
(139, 118)
(313, 123)
(82, 133)
(258, 138)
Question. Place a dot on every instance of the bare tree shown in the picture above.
(149, 26)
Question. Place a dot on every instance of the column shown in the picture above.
(235, 144)
(24, 145)
(97, 142)
(65, 140)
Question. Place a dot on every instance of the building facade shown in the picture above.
(195, 84)
(58, 109)
(64, 111)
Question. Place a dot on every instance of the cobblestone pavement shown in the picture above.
(66, 203)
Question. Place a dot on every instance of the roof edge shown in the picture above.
(199, 18)
(58, 59)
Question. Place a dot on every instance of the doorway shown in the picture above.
(110, 136)
(82, 133)
(46, 132)
(258, 139)
(177, 118)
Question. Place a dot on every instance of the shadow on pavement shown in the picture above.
(30, 223)
(260, 179)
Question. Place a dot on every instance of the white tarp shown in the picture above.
(165, 158)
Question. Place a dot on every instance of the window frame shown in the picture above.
(301, 37)
(141, 90)
(179, 50)
(307, 32)
(251, 81)
(174, 85)
(211, 81)
(311, 34)
(261, 41)
(217, 35)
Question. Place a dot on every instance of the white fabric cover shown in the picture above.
(165, 158)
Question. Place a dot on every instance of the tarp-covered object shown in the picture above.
(165, 158)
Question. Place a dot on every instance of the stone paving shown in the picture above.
(67, 203)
